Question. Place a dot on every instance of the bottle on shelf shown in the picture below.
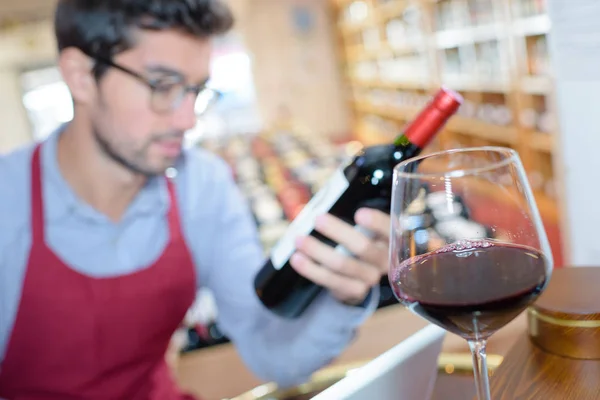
(363, 181)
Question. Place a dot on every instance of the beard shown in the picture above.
(137, 162)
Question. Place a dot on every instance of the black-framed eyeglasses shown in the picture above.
(167, 93)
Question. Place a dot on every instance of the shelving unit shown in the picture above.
(396, 53)
(278, 171)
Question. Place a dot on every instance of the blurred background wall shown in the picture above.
(357, 71)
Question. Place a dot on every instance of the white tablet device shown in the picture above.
(405, 372)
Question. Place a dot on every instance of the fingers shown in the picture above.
(349, 278)
(344, 234)
(337, 262)
(354, 241)
(343, 288)
(376, 221)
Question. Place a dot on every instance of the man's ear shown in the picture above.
(76, 70)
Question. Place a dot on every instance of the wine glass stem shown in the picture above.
(482, 382)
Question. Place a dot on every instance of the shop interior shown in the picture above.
(305, 84)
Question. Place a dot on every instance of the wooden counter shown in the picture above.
(528, 373)
(218, 373)
(562, 360)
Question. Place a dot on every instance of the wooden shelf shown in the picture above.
(403, 85)
(397, 113)
(540, 85)
(447, 39)
(391, 9)
(469, 84)
(473, 127)
(483, 130)
(360, 53)
(371, 137)
(543, 142)
(349, 28)
(458, 58)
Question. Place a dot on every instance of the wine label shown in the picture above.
(304, 222)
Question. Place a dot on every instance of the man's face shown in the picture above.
(126, 121)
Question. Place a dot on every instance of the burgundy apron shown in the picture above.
(80, 337)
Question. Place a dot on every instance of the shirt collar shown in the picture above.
(153, 198)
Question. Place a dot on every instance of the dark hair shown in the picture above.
(105, 28)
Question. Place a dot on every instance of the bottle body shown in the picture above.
(363, 181)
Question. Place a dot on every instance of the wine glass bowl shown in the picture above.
(468, 250)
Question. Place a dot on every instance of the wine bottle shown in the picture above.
(363, 181)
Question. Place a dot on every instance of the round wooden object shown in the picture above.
(566, 318)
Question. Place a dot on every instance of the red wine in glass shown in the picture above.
(471, 288)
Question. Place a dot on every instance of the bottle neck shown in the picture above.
(423, 129)
(401, 141)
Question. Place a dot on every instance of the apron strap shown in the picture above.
(37, 203)
(173, 215)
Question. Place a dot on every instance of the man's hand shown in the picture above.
(348, 278)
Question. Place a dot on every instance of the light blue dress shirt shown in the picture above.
(220, 233)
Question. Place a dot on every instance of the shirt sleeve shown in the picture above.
(15, 239)
(275, 349)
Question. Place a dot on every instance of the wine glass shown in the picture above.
(468, 250)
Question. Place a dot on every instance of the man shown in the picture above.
(101, 254)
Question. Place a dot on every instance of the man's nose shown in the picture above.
(184, 116)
